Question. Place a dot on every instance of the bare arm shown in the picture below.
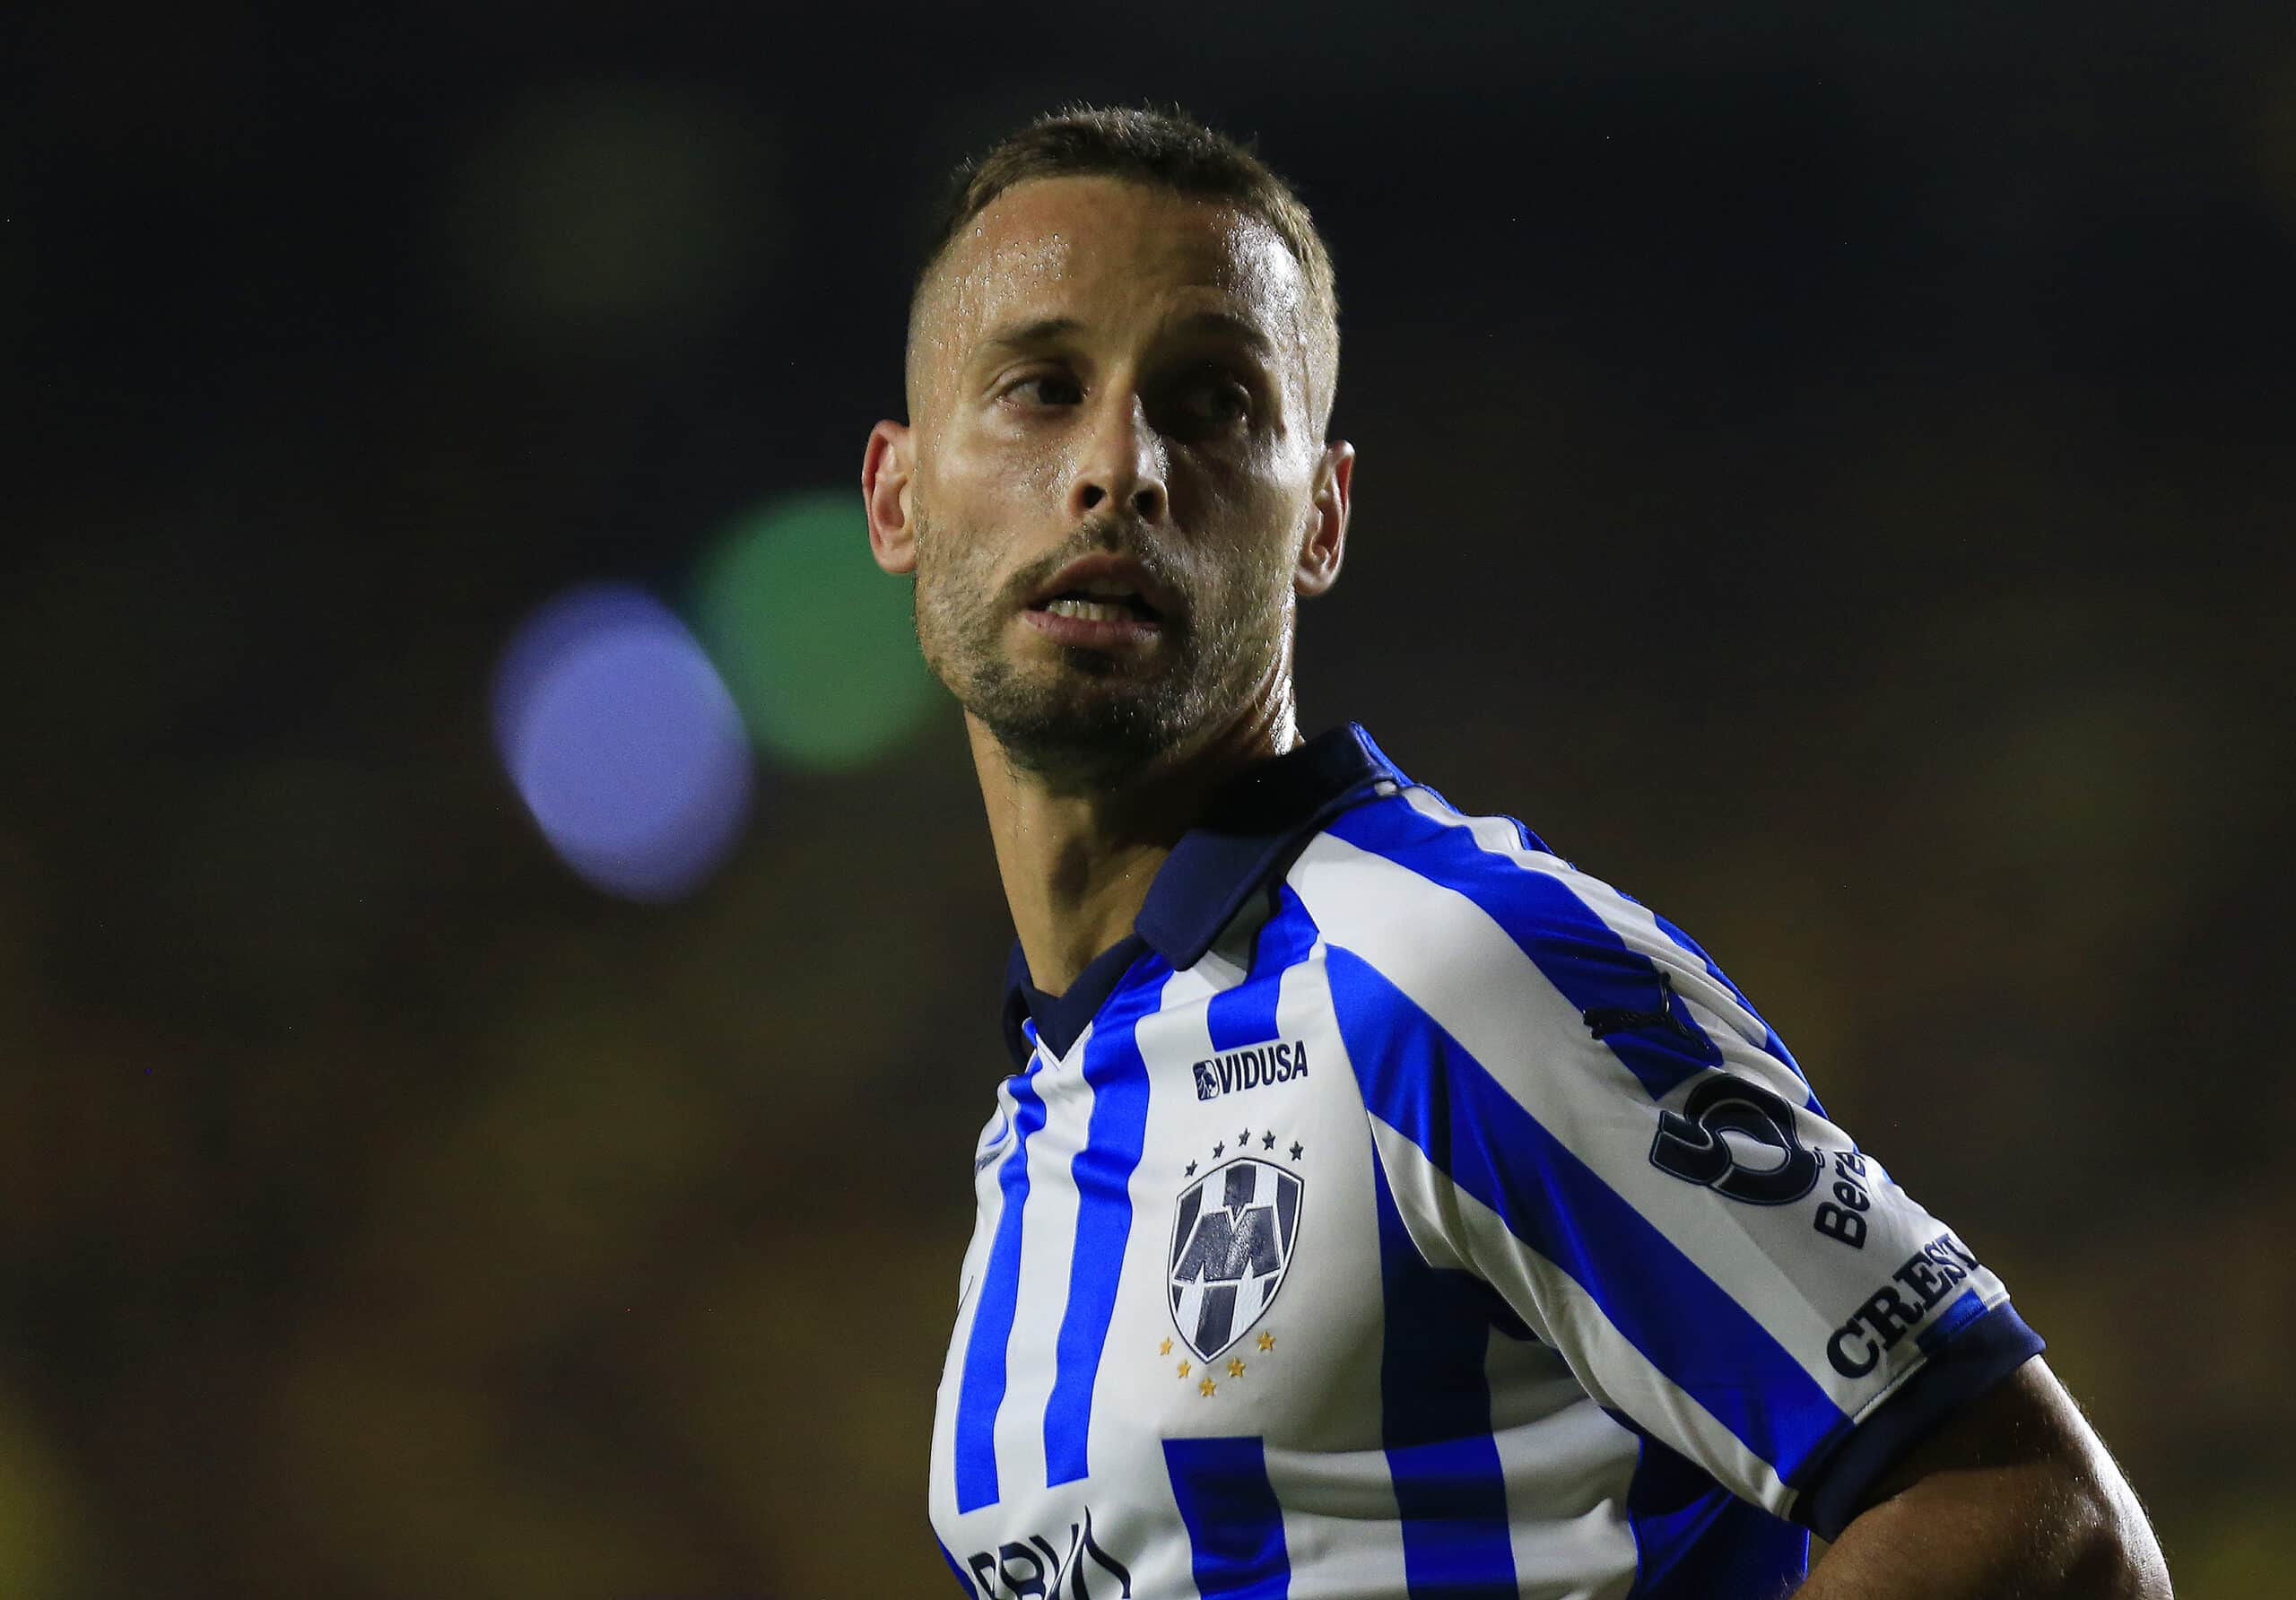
(2013, 1498)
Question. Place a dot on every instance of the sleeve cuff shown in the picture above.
(1983, 1352)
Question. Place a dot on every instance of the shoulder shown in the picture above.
(1442, 908)
(1410, 865)
(1474, 923)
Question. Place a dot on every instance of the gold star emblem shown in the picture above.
(1185, 1368)
(1206, 1388)
(1235, 1368)
(1267, 1342)
(1165, 1348)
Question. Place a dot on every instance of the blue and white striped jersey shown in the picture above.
(1399, 1212)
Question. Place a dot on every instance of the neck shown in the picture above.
(1076, 866)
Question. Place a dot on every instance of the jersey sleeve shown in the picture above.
(1571, 1102)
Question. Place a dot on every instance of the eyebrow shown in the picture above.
(1030, 335)
(1046, 330)
(1233, 325)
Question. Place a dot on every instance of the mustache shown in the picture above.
(1100, 537)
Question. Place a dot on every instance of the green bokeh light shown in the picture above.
(816, 643)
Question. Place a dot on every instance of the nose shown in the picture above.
(1120, 464)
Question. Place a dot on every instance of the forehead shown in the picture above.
(1105, 249)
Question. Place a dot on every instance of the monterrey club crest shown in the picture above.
(1232, 1232)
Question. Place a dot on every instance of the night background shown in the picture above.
(499, 951)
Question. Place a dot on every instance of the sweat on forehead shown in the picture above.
(1046, 243)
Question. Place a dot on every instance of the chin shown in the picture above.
(1084, 737)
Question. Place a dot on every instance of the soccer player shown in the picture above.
(1379, 1206)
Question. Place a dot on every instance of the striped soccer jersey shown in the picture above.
(1401, 1212)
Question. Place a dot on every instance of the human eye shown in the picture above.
(1214, 397)
(1034, 391)
(1225, 395)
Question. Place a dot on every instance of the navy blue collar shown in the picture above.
(1251, 829)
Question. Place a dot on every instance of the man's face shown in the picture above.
(1107, 369)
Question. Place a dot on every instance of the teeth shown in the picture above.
(1091, 611)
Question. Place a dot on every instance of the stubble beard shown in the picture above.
(1085, 719)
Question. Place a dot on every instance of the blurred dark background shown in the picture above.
(1827, 469)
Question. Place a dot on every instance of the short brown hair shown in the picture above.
(1165, 149)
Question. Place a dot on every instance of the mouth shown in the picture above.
(1084, 606)
(1096, 623)
(1102, 589)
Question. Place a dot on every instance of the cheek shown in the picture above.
(949, 564)
(1264, 514)
(956, 559)
(1224, 500)
(994, 475)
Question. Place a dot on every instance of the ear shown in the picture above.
(1326, 530)
(887, 469)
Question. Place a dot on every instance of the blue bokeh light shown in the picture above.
(622, 741)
